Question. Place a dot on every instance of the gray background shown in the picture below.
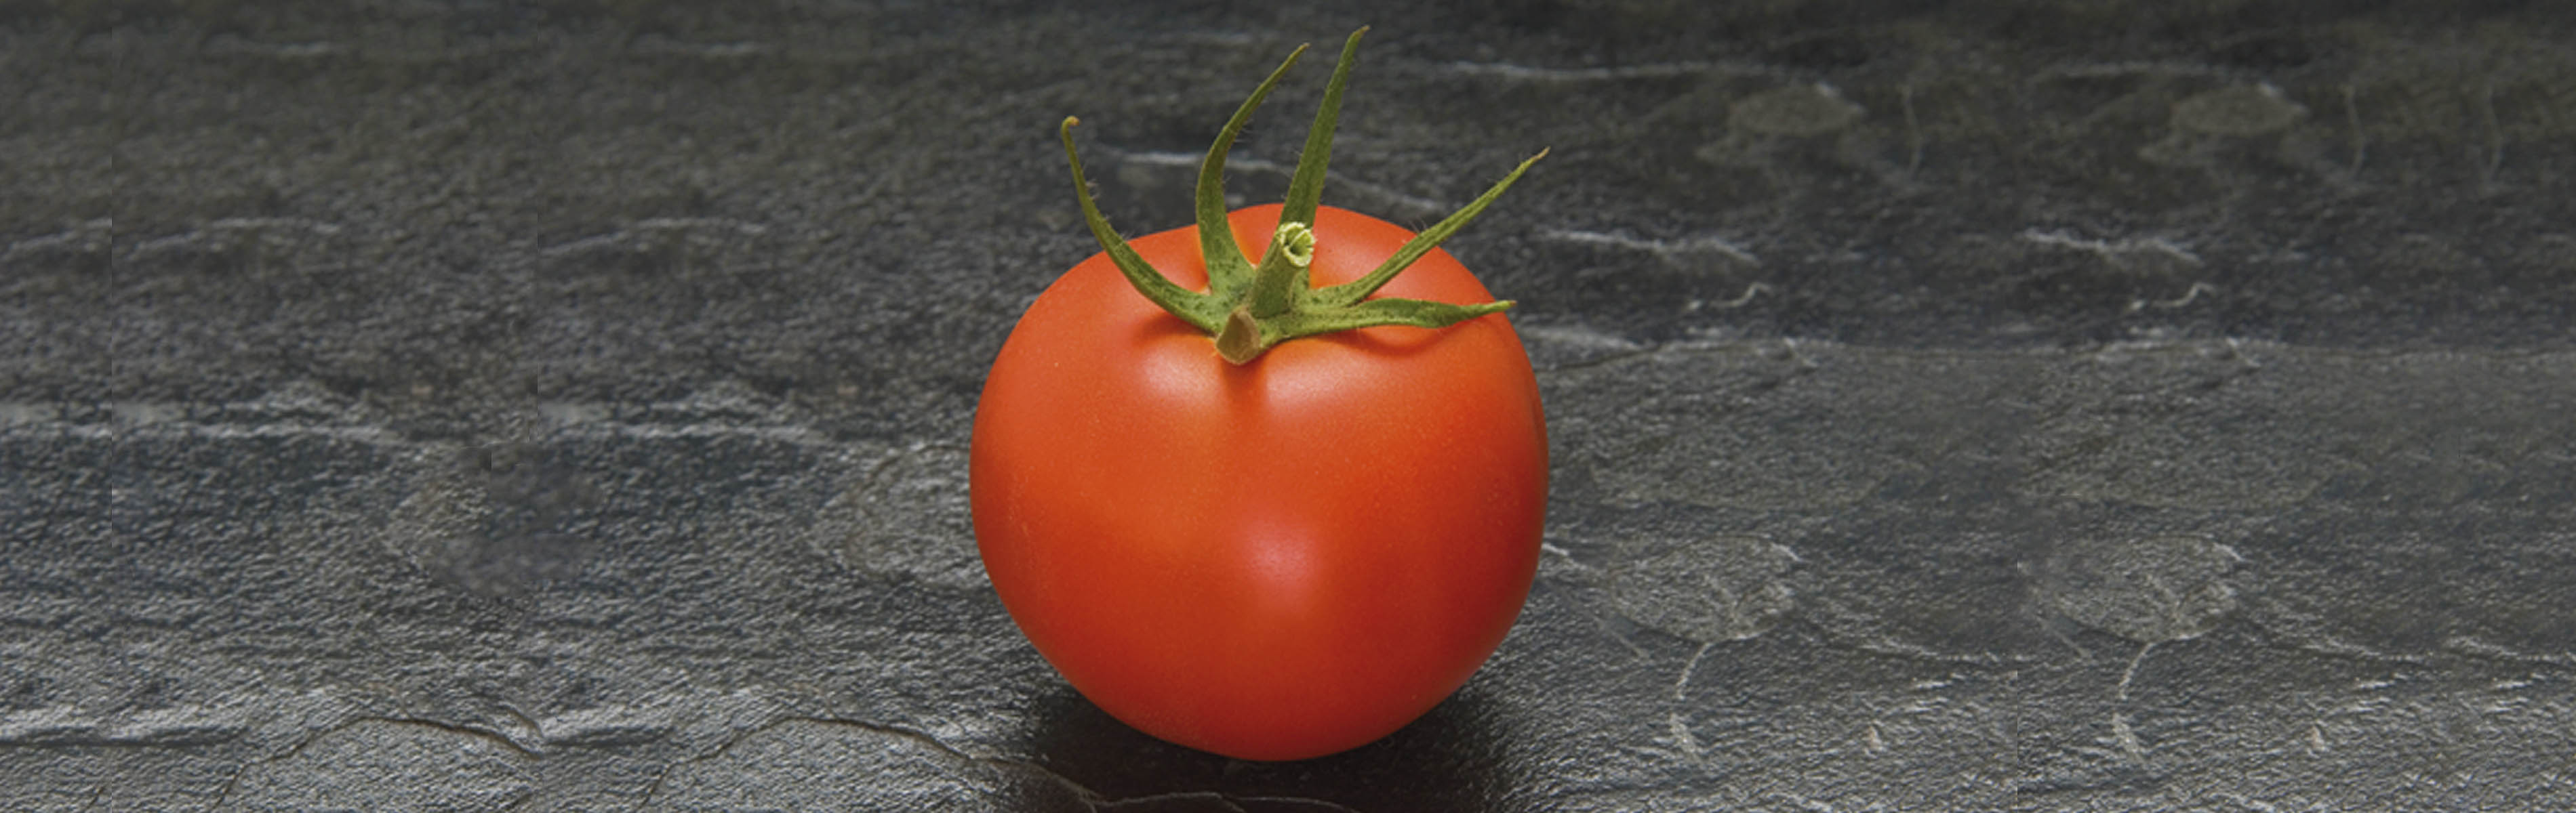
(1996, 406)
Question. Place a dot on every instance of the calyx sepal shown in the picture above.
(1251, 307)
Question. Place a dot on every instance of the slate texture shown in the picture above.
(1977, 406)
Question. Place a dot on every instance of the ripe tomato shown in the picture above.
(1271, 512)
(1274, 560)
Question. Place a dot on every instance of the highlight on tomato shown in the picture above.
(1271, 485)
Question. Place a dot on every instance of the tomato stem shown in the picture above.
(1282, 272)
(1250, 308)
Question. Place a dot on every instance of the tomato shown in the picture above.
(1274, 557)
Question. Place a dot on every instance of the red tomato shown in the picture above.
(1273, 560)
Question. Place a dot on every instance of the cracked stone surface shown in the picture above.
(1996, 406)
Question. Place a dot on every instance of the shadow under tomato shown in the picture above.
(1450, 759)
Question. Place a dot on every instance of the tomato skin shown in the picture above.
(1276, 560)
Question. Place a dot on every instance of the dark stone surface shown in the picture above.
(2003, 406)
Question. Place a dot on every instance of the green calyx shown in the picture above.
(1250, 307)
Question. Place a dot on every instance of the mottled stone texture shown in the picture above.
(1973, 406)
